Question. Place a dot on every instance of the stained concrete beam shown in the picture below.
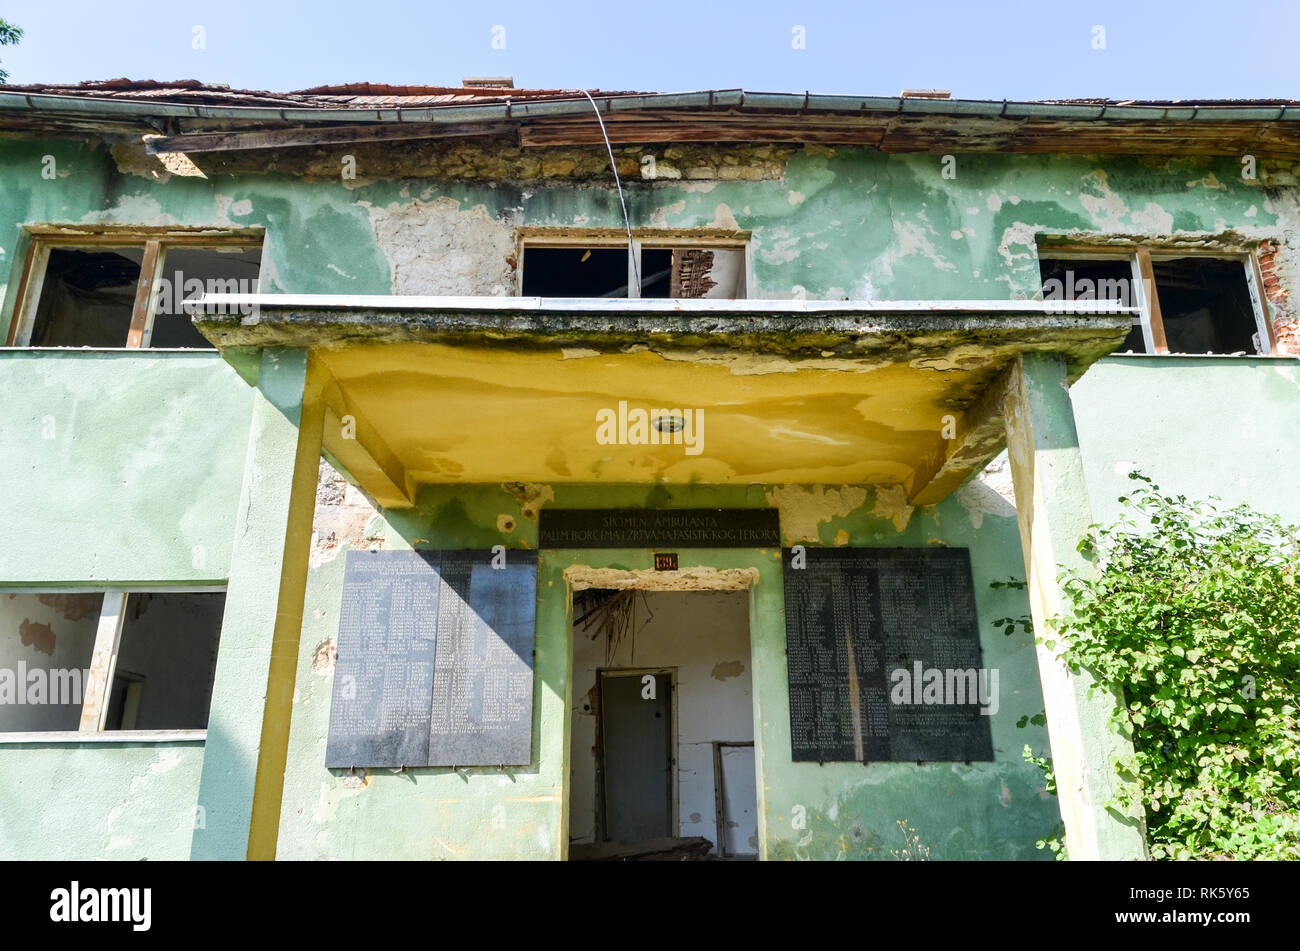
(979, 434)
(888, 330)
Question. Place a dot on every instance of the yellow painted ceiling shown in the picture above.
(488, 414)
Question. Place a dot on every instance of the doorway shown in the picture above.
(662, 741)
(636, 762)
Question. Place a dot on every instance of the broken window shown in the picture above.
(1187, 303)
(651, 269)
(1069, 279)
(87, 297)
(1205, 306)
(126, 290)
(189, 273)
(46, 641)
(576, 272)
(107, 661)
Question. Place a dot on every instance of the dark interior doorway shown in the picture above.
(662, 761)
(636, 755)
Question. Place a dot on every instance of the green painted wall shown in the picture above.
(120, 466)
(1202, 426)
(991, 809)
(88, 801)
(841, 223)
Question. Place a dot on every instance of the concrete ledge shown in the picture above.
(133, 737)
(1082, 331)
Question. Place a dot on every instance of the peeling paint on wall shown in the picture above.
(344, 518)
(36, 635)
(804, 509)
(530, 496)
(435, 248)
(891, 503)
(73, 607)
(726, 669)
(324, 657)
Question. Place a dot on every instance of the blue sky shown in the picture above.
(1013, 50)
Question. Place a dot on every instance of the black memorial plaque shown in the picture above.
(435, 660)
(855, 618)
(659, 528)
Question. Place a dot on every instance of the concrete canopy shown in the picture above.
(480, 390)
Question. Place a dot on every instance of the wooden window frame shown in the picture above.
(713, 239)
(97, 689)
(1141, 258)
(155, 242)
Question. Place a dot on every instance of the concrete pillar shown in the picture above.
(248, 726)
(1052, 507)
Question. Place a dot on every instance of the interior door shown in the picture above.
(636, 755)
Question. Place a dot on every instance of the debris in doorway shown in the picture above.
(672, 849)
(612, 614)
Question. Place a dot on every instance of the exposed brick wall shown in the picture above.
(1285, 326)
(343, 515)
(691, 268)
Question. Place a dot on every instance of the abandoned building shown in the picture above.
(482, 472)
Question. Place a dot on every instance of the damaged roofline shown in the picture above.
(707, 99)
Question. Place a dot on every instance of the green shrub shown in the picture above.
(1195, 613)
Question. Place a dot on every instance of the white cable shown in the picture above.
(631, 253)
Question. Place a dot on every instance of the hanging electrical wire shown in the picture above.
(631, 253)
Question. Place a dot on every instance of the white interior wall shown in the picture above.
(53, 631)
(705, 635)
(728, 273)
(169, 639)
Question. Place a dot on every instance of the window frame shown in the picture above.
(97, 690)
(155, 244)
(1140, 258)
(642, 239)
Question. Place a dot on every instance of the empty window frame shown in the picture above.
(123, 289)
(107, 661)
(659, 265)
(1189, 301)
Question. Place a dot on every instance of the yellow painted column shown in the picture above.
(248, 726)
